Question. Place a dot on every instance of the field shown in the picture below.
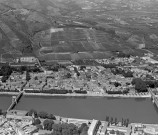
(64, 30)
(75, 43)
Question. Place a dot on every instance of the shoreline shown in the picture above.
(78, 95)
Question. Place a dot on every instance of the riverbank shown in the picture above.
(81, 95)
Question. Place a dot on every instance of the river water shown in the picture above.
(137, 110)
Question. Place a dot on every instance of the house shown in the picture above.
(43, 132)
(19, 115)
(151, 130)
(103, 130)
(92, 128)
(27, 59)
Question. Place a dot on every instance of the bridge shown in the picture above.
(16, 100)
(154, 97)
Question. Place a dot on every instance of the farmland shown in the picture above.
(79, 43)
(68, 30)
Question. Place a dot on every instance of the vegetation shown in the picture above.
(43, 115)
(37, 122)
(3, 90)
(111, 120)
(117, 92)
(75, 69)
(27, 76)
(52, 91)
(86, 62)
(33, 112)
(6, 71)
(48, 124)
(123, 55)
(4, 79)
(151, 83)
(69, 129)
(58, 129)
(117, 71)
(140, 85)
(80, 91)
(117, 84)
(1, 112)
(83, 129)
(109, 65)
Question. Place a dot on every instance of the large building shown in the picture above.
(151, 130)
(93, 127)
(27, 59)
(19, 115)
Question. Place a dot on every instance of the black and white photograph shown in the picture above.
(78, 67)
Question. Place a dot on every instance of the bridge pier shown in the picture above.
(14, 100)
(153, 100)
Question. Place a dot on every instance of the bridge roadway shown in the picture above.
(154, 97)
(16, 101)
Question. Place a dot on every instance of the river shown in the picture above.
(137, 110)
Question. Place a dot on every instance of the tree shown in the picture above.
(128, 74)
(117, 84)
(57, 127)
(6, 71)
(140, 86)
(111, 120)
(39, 126)
(127, 122)
(4, 79)
(33, 112)
(36, 78)
(37, 122)
(48, 124)
(82, 128)
(84, 133)
(43, 115)
(66, 129)
(23, 68)
(112, 132)
(68, 75)
(51, 116)
(122, 123)
(135, 80)
(27, 76)
(115, 121)
(1, 112)
(107, 118)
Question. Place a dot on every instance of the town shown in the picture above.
(115, 77)
(18, 122)
(78, 67)
(120, 76)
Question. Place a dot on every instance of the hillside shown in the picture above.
(70, 29)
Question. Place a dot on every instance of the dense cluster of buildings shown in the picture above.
(93, 79)
(16, 122)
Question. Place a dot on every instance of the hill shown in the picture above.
(70, 29)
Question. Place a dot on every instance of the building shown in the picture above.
(19, 115)
(77, 121)
(104, 128)
(93, 127)
(26, 59)
(149, 130)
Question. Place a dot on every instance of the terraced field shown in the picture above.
(77, 43)
(68, 30)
